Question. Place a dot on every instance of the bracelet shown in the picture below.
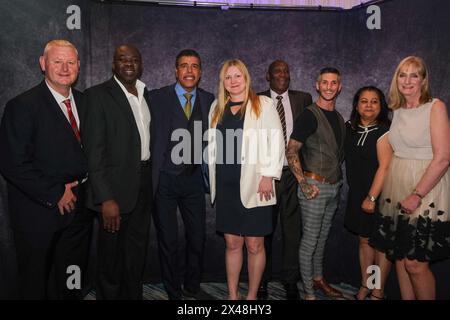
(415, 192)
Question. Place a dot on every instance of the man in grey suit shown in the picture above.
(290, 104)
(116, 140)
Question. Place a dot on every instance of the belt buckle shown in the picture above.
(316, 177)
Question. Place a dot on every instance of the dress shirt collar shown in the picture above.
(58, 96)
(140, 86)
(180, 91)
(274, 95)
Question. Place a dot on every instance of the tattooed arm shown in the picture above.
(310, 191)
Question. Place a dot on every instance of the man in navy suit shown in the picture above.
(43, 162)
(117, 144)
(184, 107)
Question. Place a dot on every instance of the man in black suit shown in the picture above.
(177, 177)
(117, 144)
(43, 162)
(289, 105)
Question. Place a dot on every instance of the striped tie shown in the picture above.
(280, 110)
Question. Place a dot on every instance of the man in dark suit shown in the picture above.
(117, 144)
(43, 162)
(177, 177)
(289, 105)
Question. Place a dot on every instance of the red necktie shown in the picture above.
(72, 120)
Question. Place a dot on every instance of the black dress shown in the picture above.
(361, 164)
(231, 215)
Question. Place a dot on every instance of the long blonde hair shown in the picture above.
(223, 95)
(396, 98)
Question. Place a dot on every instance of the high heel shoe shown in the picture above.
(363, 287)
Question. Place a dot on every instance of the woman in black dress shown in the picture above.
(367, 157)
(246, 153)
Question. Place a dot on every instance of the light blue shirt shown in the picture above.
(180, 91)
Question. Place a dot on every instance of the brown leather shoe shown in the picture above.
(329, 291)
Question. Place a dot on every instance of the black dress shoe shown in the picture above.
(262, 291)
(291, 291)
(197, 295)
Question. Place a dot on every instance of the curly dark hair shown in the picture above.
(383, 116)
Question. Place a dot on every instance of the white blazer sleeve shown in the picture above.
(272, 143)
(211, 151)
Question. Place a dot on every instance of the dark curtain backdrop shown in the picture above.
(307, 40)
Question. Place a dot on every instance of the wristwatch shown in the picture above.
(371, 198)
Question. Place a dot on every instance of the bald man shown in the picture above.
(117, 144)
(290, 104)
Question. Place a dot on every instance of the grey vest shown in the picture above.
(321, 154)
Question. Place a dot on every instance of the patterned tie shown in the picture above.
(72, 120)
(280, 110)
(188, 106)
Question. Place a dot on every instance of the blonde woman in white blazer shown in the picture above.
(245, 155)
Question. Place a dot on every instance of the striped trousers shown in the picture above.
(317, 215)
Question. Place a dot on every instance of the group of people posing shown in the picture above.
(112, 152)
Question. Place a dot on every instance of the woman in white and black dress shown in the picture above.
(415, 202)
(246, 153)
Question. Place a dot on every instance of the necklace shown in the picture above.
(234, 103)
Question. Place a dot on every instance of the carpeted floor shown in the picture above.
(219, 291)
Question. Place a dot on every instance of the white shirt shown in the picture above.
(287, 113)
(60, 98)
(141, 115)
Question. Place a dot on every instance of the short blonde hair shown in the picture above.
(396, 98)
(223, 95)
(58, 43)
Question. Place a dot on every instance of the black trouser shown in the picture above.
(288, 209)
(186, 192)
(122, 254)
(44, 257)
